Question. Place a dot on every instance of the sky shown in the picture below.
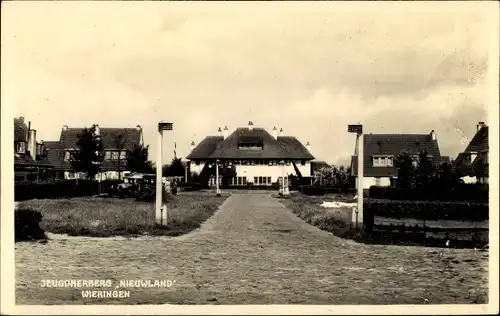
(309, 68)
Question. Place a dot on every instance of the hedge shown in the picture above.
(427, 210)
(27, 225)
(460, 192)
(62, 189)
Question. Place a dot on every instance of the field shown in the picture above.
(105, 217)
(251, 251)
(337, 221)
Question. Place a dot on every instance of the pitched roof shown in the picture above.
(205, 148)
(23, 160)
(318, 165)
(69, 137)
(479, 142)
(216, 147)
(130, 137)
(393, 144)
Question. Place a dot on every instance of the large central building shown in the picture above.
(259, 157)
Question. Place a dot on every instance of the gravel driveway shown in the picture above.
(253, 251)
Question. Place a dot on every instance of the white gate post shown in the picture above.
(357, 216)
(160, 215)
(161, 209)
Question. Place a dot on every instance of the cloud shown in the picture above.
(311, 69)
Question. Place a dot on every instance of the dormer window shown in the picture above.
(21, 148)
(383, 161)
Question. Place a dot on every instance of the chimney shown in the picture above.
(433, 135)
(219, 131)
(275, 132)
(308, 147)
(97, 130)
(226, 132)
(65, 128)
(250, 125)
(139, 128)
(32, 143)
(191, 146)
(480, 125)
(281, 132)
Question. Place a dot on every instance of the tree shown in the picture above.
(424, 171)
(87, 156)
(20, 125)
(406, 170)
(176, 168)
(334, 177)
(137, 160)
(444, 177)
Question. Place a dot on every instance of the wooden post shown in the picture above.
(160, 215)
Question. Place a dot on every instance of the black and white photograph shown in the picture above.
(268, 158)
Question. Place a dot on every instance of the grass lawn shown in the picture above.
(104, 217)
(337, 221)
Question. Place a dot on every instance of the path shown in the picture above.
(254, 251)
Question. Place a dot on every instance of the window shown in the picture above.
(303, 162)
(383, 161)
(115, 155)
(67, 155)
(197, 162)
(268, 180)
(21, 147)
(123, 154)
(255, 180)
(107, 155)
(288, 162)
(377, 181)
(390, 161)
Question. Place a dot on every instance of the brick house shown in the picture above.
(472, 164)
(380, 151)
(30, 156)
(258, 156)
(116, 142)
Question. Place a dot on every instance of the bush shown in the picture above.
(427, 210)
(193, 186)
(27, 225)
(63, 189)
(460, 192)
(312, 190)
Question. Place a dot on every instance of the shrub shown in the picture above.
(460, 192)
(427, 210)
(63, 189)
(312, 190)
(193, 186)
(27, 225)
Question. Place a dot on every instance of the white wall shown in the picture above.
(371, 181)
(108, 175)
(262, 170)
(196, 168)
